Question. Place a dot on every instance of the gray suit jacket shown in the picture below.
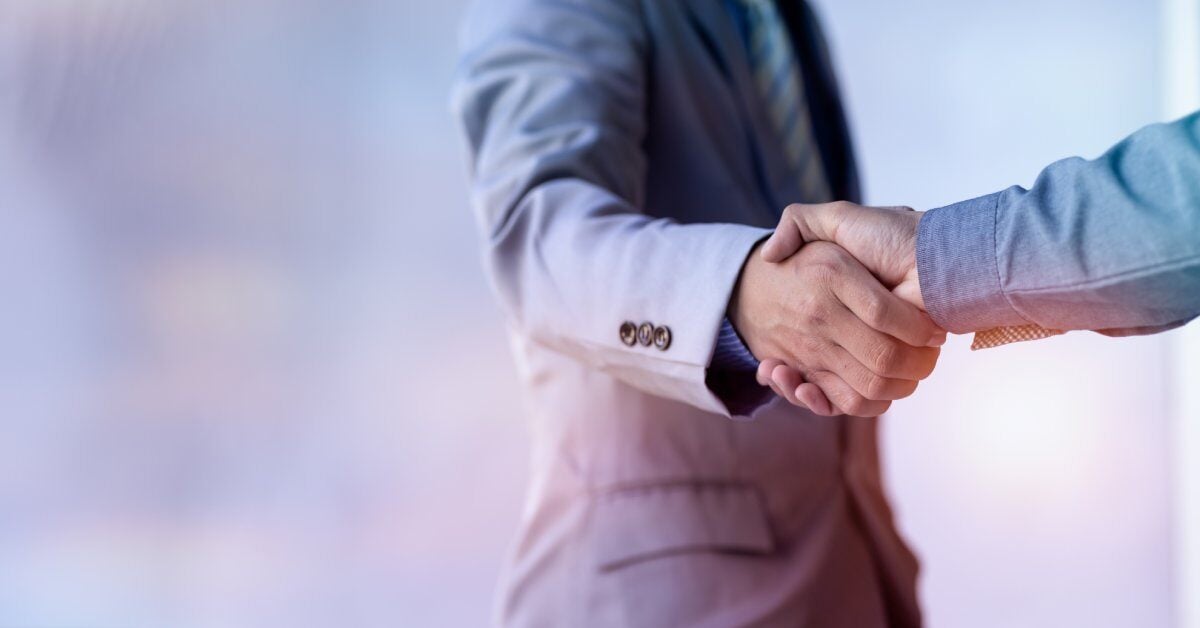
(1111, 244)
(623, 167)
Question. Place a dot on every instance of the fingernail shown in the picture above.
(938, 340)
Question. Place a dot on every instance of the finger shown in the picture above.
(778, 388)
(845, 398)
(864, 382)
(763, 375)
(787, 380)
(878, 352)
(876, 306)
(775, 388)
(803, 393)
(786, 239)
(815, 399)
(765, 368)
(807, 394)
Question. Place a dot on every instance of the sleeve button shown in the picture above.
(662, 338)
(645, 334)
(629, 333)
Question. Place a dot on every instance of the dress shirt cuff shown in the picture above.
(956, 262)
(732, 374)
(731, 352)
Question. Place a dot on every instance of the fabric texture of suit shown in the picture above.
(622, 169)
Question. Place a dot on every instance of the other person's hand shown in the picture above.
(884, 239)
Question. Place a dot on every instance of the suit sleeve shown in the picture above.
(552, 96)
(1110, 245)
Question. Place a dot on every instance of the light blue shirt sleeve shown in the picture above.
(1111, 244)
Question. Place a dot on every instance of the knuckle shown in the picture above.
(857, 406)
(876, 311)
(812, 348)
(817, 316)
(877, 387)
(886, 358)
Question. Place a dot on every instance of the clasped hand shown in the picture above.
(831, 306)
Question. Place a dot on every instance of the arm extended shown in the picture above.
(552, 98)
(1110, 244)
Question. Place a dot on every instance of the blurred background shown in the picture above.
(251, 374)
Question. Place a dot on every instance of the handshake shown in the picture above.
(831, 306)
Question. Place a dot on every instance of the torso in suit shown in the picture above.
(623, 168)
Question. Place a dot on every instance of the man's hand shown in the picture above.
(850, 340)
(884, 239)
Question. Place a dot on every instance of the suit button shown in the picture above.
(645, 334)
(629, 333)
(662, 338)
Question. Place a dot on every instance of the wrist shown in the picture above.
(909, 285)
(741, 302)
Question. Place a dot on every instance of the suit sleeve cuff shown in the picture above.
(957, 265)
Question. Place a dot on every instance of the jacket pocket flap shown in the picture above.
(640, 523)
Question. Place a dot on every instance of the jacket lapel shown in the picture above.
(774, 178)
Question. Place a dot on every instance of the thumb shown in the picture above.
(910, 290)
(785, 242)
(799, 223)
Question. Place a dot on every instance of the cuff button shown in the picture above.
(629, 333)
(662, 338)
(645, 334)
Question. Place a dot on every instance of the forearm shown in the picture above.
(576, 263)
(1112, 243)
(558, 167)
